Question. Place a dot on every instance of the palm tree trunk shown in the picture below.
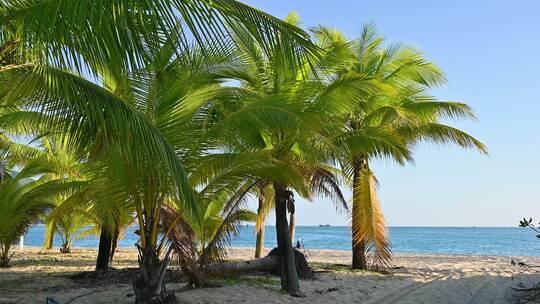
(145, 287)
(149, 287)
(288, 273)
(259, 246)
(268, 263)
(359, 260)
(4, 255)
(114, 244)
(66, 247)
(292, 224)
(104, 249)
(359, 256)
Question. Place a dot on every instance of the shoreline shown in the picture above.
(267, 249)
(415, 278)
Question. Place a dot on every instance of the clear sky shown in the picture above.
(490, 53)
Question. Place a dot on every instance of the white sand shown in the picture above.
(424, 278)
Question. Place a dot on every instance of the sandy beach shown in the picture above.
(417, 278)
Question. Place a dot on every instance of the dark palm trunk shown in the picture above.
(104, 249)
(288, 273)
(359, 260)
(359, 256)
(259, 246)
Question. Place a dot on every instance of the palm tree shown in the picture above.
(69, 225)
(387, 123)
(24, 198)
(280, 138)
(261, 75)
(201, 239)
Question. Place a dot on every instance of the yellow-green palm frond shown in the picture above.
(267, 191)
(442, 134)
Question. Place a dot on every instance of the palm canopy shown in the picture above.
(386, 122)
(276, 124)
(123, 36)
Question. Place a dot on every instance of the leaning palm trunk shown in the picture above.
(270, 263)
(288, 273)
(371, 246)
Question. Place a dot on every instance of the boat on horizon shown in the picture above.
(327, 225)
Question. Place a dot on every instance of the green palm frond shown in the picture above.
(117, 32)
(443, 134)
(268, 205)
(95, 118)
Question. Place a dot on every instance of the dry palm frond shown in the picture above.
(368, 224)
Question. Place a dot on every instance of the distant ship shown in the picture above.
(327, 225)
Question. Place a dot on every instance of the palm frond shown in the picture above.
(368, 224)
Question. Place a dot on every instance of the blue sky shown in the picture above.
(489, 51)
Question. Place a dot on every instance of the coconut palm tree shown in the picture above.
(260, 76)
(198, 240)
(24, 198)
(70, 226)
(387, 123)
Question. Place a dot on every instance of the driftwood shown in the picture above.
(269, 263)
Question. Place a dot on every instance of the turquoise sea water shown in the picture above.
(450, 240)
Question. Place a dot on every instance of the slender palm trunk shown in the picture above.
(115, 238)
(292, 224)
(104, 249)
(259, 246)
(288, 273)
(359, 260)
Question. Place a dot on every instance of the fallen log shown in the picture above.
(269, 263)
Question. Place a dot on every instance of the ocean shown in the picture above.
(507, 241)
